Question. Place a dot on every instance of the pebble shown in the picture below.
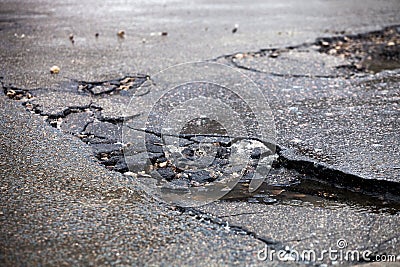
(130, 174)
(332, 51)
(55, 70)
(121, 34)
(274, 54)
(11, 93)
(324, 43)
(239, 56)
(163, 164)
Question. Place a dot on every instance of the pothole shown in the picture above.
(309, 191)
(372, 51)
(289, 182)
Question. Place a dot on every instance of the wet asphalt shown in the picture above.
(64, 199)
(61, 208)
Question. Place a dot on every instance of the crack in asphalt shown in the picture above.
(373, 57)
(274, 53)
(389, 191)
(202, 216)
(339, 178)
(108, 87)
(288, 75)
(287, 158)
(233, 139)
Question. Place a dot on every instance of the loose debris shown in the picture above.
(121, 34)
(112, 86)
(372, 51)
(55, 70)
(17, 94)
(235, 28)
(368, 52)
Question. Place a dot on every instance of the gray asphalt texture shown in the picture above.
(59, 206)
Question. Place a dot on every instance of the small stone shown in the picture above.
(324, 43)
(121, 34)
(11, 93)
(97, 34)
(55, 70)
(391, 44)
(127, 80)
(29, 106)
(71, 37)
(164, 33)
(239, 56)
(274, 54)
(144, 40)
(130, 174)
(163, 164)
(124, 87)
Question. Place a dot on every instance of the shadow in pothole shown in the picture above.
(307, 191)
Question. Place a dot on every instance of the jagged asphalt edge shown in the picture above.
(338, 177)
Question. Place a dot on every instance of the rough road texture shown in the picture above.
(334, 94)
(72, 211)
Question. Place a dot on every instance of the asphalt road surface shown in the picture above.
(329, 72)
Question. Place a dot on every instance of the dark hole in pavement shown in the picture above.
(373, 51)
(202, 126)
(317, 193)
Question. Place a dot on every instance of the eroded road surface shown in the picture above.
(73, 165)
